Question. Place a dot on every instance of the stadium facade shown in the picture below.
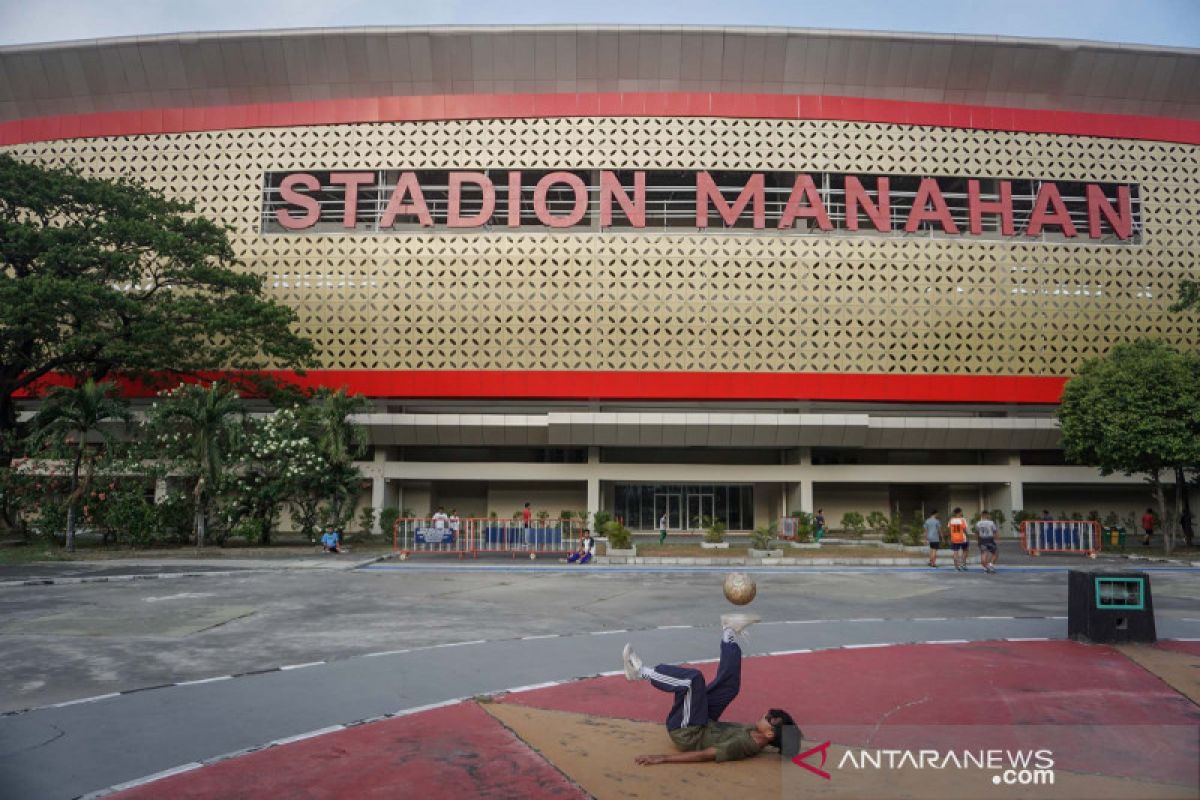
(693, 271)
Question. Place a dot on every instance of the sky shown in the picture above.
(1163, 22)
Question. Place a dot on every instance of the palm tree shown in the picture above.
(69, 417)
(338, 438)
(208, 422)
(339, 441)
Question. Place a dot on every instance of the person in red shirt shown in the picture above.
(1148, 525)
(527, 518)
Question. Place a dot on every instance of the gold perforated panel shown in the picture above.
(736, 302)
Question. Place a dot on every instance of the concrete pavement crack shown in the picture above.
(61, 733)
(884, 718)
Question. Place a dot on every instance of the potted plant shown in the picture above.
(804, 531)
(620, 540)
(714, 534)
(853, 524)
(760, 543)
(892, 530)
(387, 520)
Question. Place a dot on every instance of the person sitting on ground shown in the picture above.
(329, 542)
(587, 548)
(694, 722)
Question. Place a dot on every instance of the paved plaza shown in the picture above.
(256, 678)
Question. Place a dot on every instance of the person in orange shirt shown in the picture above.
(957, 526)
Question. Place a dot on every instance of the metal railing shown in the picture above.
(474, 535)
(1060, 536)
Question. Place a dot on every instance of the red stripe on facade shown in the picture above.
(632, 385)
(599, 104)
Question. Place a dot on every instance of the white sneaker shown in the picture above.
(633, 663)
(738, 622)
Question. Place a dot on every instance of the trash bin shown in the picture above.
(1110, 607)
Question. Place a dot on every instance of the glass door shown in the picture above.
(672, 506)
(699, 507)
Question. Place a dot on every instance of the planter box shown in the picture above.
(752, 553)
(806, 545)
(630, 553)
(715, 545)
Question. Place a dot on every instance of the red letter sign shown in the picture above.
(814, 208)
(454, 217)
(635, 210)
(543, 211)
(1121, 221)
(856, 196)
(396, 207)
(351, 180)
(926, 194)
(706, 190)
(977, 207)
(289, 195)
(1039, 218)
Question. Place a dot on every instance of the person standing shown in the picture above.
(662, 528)
(1148, 525)
(933, 535)
(455, 525)
(985, 535)
(527, 521)
(957, 527)
(819, 525)
(439, 518)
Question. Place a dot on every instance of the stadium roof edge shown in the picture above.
(912, 36)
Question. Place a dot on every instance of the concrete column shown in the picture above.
(805, 456)
(377, 500)
(593, 499)
(1010, 497)
(378, 488)
(806, 496)
(160, 490)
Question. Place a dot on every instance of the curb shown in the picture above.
(283, 566)
(784, 561)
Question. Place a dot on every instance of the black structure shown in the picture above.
(1110, 607)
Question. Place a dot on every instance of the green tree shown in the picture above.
(278, 462)
(339, 440)
(107, 277)
(199, 428)
(1136, 411)
(71, 416)
(1189, 296)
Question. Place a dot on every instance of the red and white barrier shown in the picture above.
(1081, 537)
(474, 535)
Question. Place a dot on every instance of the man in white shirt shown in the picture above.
(985, 533)
(440, 519)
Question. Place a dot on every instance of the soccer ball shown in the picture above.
(533, 556)
(740, 588)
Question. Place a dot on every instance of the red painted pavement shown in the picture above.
(597, 104)
(459, 751)
(843, 694)
(846, 696)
